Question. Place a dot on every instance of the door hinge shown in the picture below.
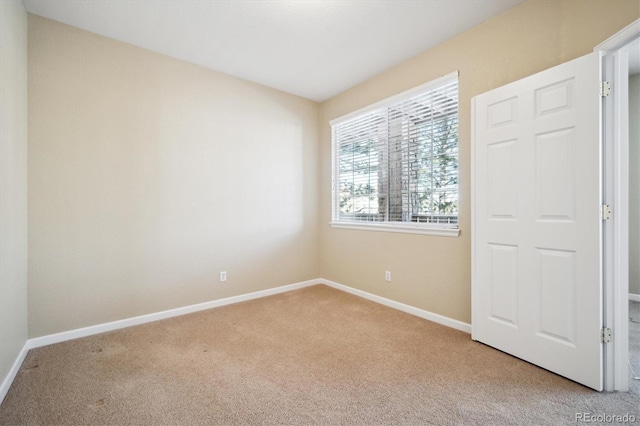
(605, 88)
(606, 335)
(606, 212)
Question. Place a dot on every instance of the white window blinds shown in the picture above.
(397, 161)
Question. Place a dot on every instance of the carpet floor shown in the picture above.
(311, 356)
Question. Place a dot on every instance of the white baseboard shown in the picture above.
(634, 297)
(440, 319)
(143, 319)
(13, 371)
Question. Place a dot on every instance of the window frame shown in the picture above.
(438, 229)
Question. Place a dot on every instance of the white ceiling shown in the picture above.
(311, 48)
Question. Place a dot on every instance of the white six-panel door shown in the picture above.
(537, 270)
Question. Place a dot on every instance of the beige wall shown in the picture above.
(13, 182)
(433, 273)
(634, 184)
(148, 176)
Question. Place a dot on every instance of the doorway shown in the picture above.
(621, 56)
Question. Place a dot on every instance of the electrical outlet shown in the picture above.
(223, 276)
(387, 276)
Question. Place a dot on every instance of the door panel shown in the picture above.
(537, 272)
(555, 176)
(504, 291)
(557, 290)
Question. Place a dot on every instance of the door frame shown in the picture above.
(615, 121)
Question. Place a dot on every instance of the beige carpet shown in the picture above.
(311, 356)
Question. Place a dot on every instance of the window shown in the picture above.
(395, 163)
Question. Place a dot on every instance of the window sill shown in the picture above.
(401, 228)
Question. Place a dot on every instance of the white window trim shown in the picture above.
(400, 227)
(441, 230)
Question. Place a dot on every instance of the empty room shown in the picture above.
(319, 212)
